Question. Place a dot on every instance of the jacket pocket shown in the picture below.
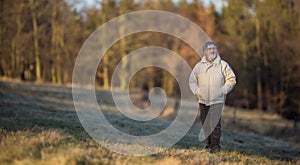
(202, 79)
(216, 93)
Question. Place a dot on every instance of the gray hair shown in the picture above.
(208, 43)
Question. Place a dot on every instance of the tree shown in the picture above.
(57, 42)
(125, 7)
(33, 8)
(237, 31)
(107, 13)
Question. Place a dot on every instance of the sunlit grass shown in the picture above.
(260, 123)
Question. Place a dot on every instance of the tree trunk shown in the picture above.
(35, 40)
(105, 72)
(20, 24)
(13, 59)
(58, 67)
(105, 75)
(258, 67)
(259, 89)
(123, 76)
(170, 84)
(57, 44)
(150, 72)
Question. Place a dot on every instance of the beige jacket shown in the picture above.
(211, 81)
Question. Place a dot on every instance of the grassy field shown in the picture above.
(38, 125)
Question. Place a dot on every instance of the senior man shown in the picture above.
(211, 79)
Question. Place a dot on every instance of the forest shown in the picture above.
(40, 40)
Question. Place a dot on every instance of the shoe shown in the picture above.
(207, 147)
(215, 149)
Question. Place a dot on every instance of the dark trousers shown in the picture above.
(211, 123)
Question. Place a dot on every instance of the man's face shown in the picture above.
(210, 52)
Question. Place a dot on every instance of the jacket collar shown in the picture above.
(217, 60)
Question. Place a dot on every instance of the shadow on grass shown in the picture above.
(246, 144)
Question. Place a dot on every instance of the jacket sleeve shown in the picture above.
(193, 82)
(230, 79)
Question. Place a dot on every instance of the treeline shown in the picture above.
(40, 40)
